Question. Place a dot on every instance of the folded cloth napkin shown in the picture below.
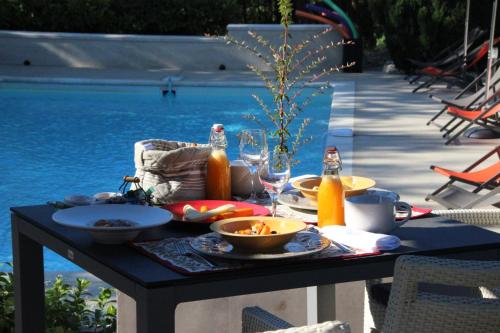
(360, 239)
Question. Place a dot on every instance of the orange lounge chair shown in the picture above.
(485, 178)
(455, 70)
(464, 101)
(485, 116)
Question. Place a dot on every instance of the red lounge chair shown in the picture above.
(484, 178)
(455, 70)
(463, 101)
(450, 55)
(485, 116)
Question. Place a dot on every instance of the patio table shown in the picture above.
(157, 289)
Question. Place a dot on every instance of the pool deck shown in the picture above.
(391, 142)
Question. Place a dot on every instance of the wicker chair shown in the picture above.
(255, 319)
(412, 310)
(411, 307)
(375, 309)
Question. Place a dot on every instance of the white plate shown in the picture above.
(304, 243)
(295, 199)
(84, 218)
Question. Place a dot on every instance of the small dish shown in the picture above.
(295, 199)
(137, 217)
(109, 197)
(302, 244)
(79, 200)
(284, 230)
(353, 185)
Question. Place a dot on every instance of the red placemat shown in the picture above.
(416, 212)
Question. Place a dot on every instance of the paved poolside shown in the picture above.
(391, 142)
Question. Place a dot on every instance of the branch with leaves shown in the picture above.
(293, 69)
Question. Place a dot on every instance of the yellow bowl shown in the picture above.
(353, 185)
(285, 231)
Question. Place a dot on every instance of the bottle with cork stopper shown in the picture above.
(218, 168)
(331, 192)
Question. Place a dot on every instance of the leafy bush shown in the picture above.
(193, 17)
(67, 308)
(421, 28)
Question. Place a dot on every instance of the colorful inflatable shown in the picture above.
(339, 27)
(336, 8)
(329, 14)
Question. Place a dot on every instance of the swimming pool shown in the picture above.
(65, 139)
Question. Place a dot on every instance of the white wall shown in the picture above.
(189, 53)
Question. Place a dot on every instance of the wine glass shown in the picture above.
(274, 174)
(253, 146)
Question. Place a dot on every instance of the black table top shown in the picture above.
(425, 236)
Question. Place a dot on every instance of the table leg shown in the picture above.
(326, 302)
(155, 311)
(28, 281)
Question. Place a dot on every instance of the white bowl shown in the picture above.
(85, 217)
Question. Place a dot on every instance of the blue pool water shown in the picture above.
(57, 140)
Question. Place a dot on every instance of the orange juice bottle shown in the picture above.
(331, 192)
(218, 171)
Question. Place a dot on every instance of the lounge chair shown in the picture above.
(470, 101)
(477, 175)
(449, 55)
(456, 70)
(486, 115)
(377, 293)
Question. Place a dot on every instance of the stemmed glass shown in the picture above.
(274, 174)
(253, 146)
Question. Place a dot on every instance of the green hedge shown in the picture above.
(192, 17)
(420, 28)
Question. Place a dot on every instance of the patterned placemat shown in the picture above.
(177, 254)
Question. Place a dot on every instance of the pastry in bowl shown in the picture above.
(259, 233)
(353, 185)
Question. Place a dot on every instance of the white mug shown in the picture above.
(374, 213)
(241, 181)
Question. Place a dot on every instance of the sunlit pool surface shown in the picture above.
(57, 140)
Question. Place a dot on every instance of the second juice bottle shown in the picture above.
(331, 191)
(218, 168)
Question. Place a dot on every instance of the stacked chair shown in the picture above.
(454, 73)
(470, 101)
(480, 108)
(450, 55)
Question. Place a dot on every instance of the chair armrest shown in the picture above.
(256, 319)
(412, 270)
(412, 310)
(472, 216)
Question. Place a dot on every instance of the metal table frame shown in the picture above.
(155, 304)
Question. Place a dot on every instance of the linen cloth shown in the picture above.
(175, 170)
(359, 239)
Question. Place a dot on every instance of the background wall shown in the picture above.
(190, 53)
